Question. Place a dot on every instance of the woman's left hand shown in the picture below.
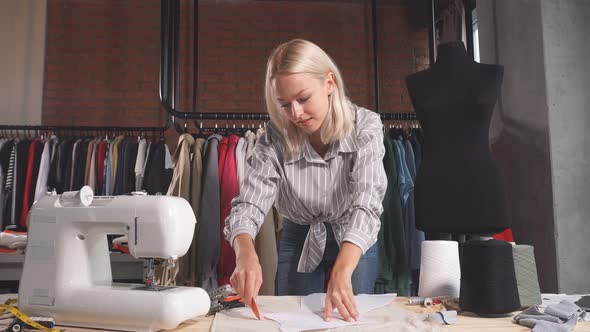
(339, 294)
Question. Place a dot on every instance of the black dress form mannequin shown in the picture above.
(458, 187)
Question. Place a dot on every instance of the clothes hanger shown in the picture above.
(200, 130)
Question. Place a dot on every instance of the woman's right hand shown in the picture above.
(247, 276)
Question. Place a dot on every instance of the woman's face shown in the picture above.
(304, 99)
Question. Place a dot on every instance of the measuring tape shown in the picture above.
(24, 318)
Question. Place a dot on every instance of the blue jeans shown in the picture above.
(291, 282)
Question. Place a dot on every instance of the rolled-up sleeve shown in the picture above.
(369, 183)
(257, 193)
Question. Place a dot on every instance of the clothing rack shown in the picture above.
(399, 116)
(97, 129)
(170, 72)
(395, 116)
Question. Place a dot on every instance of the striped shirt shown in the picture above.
(344, 188)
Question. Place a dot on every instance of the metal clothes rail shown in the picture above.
(170, 73)
(82, 128)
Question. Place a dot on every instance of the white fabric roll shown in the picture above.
(440, 273)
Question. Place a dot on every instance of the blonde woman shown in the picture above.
(321, 162)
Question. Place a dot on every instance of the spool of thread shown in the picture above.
(417, 300)
(83, 197)
(527, 280)
(488, 282)
(440, 273)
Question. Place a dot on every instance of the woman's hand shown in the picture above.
(339, 294)
(247, 276)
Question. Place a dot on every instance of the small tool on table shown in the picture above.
(255, 308)
(225, 297)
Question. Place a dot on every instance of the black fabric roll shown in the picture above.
(488, 281)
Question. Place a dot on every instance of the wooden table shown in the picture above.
(465, 322)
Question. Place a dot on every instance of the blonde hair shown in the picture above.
(302, 56)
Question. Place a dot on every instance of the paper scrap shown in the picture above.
(310, 315)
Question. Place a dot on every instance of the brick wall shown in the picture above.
(101, 63)
(102, 57)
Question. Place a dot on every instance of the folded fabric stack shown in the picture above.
(12, 242)
(561, 317)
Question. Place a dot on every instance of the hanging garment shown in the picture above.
(416, 237)
(406, 183)
(72, 167)
(100, 166)
(119, 168)
(241, 159)
(92, 169)
(180, 187)
(7, 164)
(64, 163)
(41, 185)
(3, 170)
(69, 171)
(196, 174)
(120, 178)
(2, 179)
(406, 188)
(54, 164)
(168, 159)
(80, 165)
(34, 159)
(29, 195)
(149, 158)
(209, 210)
(190, 260)
(2, 201)
(228, 190)
(140, 163)
(157, 176)
(88, 161)
(128, 183)
(222, 155)
(9, 222)
(108, 175)
(21, 165)
(393, 272)
(112, 160)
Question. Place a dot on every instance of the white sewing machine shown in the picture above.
(67, 271)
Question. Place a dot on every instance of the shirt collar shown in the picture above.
(346, 144)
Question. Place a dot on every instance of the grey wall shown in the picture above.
(542, 112)
(22, 36)
(565, 34)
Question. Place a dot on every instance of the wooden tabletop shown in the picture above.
(465, 322)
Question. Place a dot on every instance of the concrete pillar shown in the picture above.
(567, 70)
(541, 124)
(22, 34)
